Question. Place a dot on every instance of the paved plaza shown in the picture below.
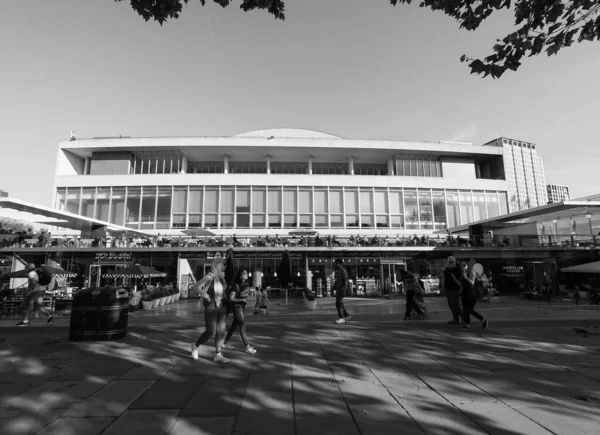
(536, 370)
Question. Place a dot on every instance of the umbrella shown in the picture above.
(136, 271)
(583, 268)
(303, 233)
(284, 272)
(54, 271)
(198, 232)
(228, 266)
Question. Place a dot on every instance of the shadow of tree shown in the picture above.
(305, 379)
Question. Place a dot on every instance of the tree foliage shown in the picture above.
(541, 25)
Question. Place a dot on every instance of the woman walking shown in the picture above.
(238, 296)
(469, 297)
(411, 287)
(212, 289)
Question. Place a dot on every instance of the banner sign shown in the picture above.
(113, 256)
(513, 270)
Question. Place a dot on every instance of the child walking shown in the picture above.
(262, 302)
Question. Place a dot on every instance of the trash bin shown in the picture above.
(99, 313)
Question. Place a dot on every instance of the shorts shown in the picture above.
(33, 296)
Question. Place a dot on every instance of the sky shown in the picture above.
(353, 68)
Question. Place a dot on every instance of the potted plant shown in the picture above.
(155, 298)
(134, 301)
(147, 301)
(162, 297)
(172, 294)
(309, 299)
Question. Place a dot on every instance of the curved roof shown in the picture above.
(288, 133)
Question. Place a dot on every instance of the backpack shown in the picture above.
(44, 277)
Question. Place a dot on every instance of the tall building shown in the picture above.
(524, 171)
(3, 194)
(268, 181)
(557, 193)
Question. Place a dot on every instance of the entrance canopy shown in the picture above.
(593, 267)
(57, 218)
(544, 213)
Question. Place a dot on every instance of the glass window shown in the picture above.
(87, 202)
(259, 201)
(479, 205)
(419, 166)
(438, 169)
(466, 207)
(503, 203)
(335, 201)
(426, 167)
(491, 200)
(242, 208)
(366, 201)
(274, 201)
(382, 221)
(399, 166)
(398, 221)
(73, 198)
(195, 221)
(211, 200)
(351, 201)
(180, 200)
(102, 203)
(452, 208)
(321, 201)
(439, 209)
(132, 210)
(406, 166)
(433, 168)
(179, 221)
(289, 201)
(352, 221)
(305, 204)
(366, 221)
(195, 200)
(321, 221)
(396, 205)
(306, 221)
(210, 220)
(61, 199)
(226, 201)
(258, 221)
(117, 209)
(163, 208)
(381, 202)
(290, 221)
(411, 212)
(148, 204)
(227, 220)
(337, 221)
(413, 166)
(425, 209)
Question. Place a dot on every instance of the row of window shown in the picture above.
(164, 207)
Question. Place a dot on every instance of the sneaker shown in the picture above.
(228, 346)
(194, 351)
(338, 321)
(219, 358)
(485, 324)
(453, 322)
(22, 324)
(466, 328)
(50, 319)
(250, 350)
(348, 317)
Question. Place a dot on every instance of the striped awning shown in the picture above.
(54, 271)
(136, 271)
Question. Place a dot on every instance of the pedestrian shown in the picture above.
(452, 287)
(340, 284)
(212, 289)
(238, 297)
(262, 302)
(412, 290)
(39, 280)
(469, 297)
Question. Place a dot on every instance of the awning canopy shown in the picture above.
(54, 271)
(593, 267)
(52, 217)
(136, 271)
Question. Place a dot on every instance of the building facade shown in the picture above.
(274, 181)
(524, 172)
(557, 193)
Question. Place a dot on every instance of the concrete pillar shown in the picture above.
(390, 164)
(351, 165)
(310, 163)
(226, 163)
(86, 166)
(183, 164)
(269, 157)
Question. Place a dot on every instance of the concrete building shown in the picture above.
(524, 171)
(269, 181)
(557, 193)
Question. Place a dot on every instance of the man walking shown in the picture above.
(39, 281)
(339, 284)
(452, 287)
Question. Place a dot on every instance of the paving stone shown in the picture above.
(340, 423)
(157, 421)
(111, 401)
(19, 425)
(169, 394)
(145, 372)
(445, 420)
(216, 398)
(264, 422)
(259, 399)
(364, 391)
(76, 426)
(271, 382)
(559, 423)
(202, 426)
(383, 419)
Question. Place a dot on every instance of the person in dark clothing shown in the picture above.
(339, 284)
(238, 295)
(411, 286)
(469, 297)
(452, 287)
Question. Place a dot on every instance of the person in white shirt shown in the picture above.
(35, 295)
